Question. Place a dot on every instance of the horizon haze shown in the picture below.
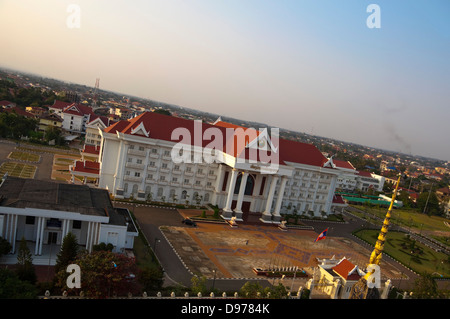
(308, 66)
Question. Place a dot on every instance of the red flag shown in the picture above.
(322, 235)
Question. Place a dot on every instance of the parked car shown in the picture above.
(190, 222)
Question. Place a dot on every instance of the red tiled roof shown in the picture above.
(91, 149)
(86, 167)
(18, 111)
(343, 164)
(60, 104)
(347, 270)
(161, 127)
(78, 109)
(365, 174)
(6, 103)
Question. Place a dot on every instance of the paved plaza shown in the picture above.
(234, 252)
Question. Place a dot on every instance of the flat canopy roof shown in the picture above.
(30, 193)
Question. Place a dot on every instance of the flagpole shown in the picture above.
(328, 239)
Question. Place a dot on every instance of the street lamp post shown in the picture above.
(154, 245)
(214, 280)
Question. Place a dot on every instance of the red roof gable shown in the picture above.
(347, 270)
(343, 164)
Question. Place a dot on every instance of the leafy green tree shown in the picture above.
(199, 285)
(103, 247)
(14, 126)
(251, 290)
(5, 246)
(54, 133)
(430, 201)
(68, 253)
(25, 269)
(151, 278)
(425, 287)
(162, 111)
(12, 287)
(277, 292)
(103, 275)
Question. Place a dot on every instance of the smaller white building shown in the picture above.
(352, 180)
(336, 277)
(44, 212)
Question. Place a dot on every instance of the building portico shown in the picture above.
(43, 213)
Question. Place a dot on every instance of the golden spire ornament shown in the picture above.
(361, 289)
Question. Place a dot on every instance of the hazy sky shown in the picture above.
(312, 66)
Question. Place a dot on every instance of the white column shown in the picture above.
(118, 178)
(14, 232)
(41, 235)
(238, 209)
(38, 235)
(95, 234)
(267, 216)
(219, 180)
(276, 213)
(63, 229)
(330, 196)
(2, 221)
(88, 237)
(67, 226)
(227, 212)
(217, 185)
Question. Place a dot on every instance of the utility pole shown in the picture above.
(426, 203)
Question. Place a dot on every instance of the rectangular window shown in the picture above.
(261, 190)
(29, 220)
(225, 179)
(76, 224)
(137, 174)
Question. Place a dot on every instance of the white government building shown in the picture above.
(137, 160)
(43, 212)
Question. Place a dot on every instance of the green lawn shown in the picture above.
(408, 217)
(420, 258)
(24, 156)
(18, 170)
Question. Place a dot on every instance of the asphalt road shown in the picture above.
(149, 221)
